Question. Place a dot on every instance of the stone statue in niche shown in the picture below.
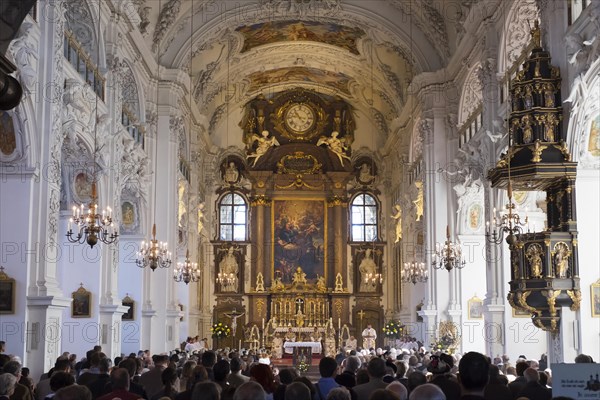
(528, 97)
(527, 129)
(419, 200)
(264, 144)
(228, 266)
(561, 259)
(534, 258)
(364, 174)
(200, 218)
(336, 145)
(548, 90)
(397, 216)
(231, 174)
(367, 269)
(181, 206)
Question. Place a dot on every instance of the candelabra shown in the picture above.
(448, 256)
(91, 226)
(509, 223)
(414, 272)
(373, 279)
(186, 271)
(153, 254)
(226, 279)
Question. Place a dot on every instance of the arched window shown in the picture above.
(363, 218)
(233, 218)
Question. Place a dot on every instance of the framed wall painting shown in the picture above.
(81, 305)
(475, 307)
(518, 313)
(130, 314)
(595, 297)
(299, 237)
(7, 293)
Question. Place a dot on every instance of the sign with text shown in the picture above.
(577, 381)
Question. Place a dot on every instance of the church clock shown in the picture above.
(299, 118)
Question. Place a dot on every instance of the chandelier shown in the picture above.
(508, 223)
(153, 254)
(92, 226)
(186, 271)
(414, 272)
(449, 255)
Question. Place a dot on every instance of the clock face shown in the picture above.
(299, 118)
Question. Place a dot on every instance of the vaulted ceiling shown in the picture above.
(364, 51)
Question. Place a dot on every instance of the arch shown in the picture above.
(81, 22)
(515, 37)
(129, 91)
(232, 212)
(585, 115)
(364, 217)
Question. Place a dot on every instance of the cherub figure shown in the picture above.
(264, 144)
(336, 145)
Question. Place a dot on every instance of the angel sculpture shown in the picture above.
(264, 144)
(338, 146)
(398, 217)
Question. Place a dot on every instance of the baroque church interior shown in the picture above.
(317, 165)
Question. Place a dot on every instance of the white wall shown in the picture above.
(15, 251)
(79, 263)
(588, 225)
(130, 284)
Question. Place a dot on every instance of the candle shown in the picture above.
(339, 323)
(263, 324)
(240, 344)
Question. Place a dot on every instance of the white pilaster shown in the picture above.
(45, 302)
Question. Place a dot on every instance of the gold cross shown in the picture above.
(361, 314)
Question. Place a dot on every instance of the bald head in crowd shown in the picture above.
(399, 389)
(250, 391)
(427, 391)
(297, 391)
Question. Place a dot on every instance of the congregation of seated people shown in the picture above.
(245, 375)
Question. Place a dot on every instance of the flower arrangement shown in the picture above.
(393, 329)
(445, 344)
(220, 330)
(302, 366)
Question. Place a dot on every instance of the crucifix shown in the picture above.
(361, 314)
(234, 315)
(299, 304)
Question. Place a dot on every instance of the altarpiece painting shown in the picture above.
(299, 238)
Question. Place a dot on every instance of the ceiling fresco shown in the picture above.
(282, 31)
(334, 80)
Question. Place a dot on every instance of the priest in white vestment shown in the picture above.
(369, 335)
